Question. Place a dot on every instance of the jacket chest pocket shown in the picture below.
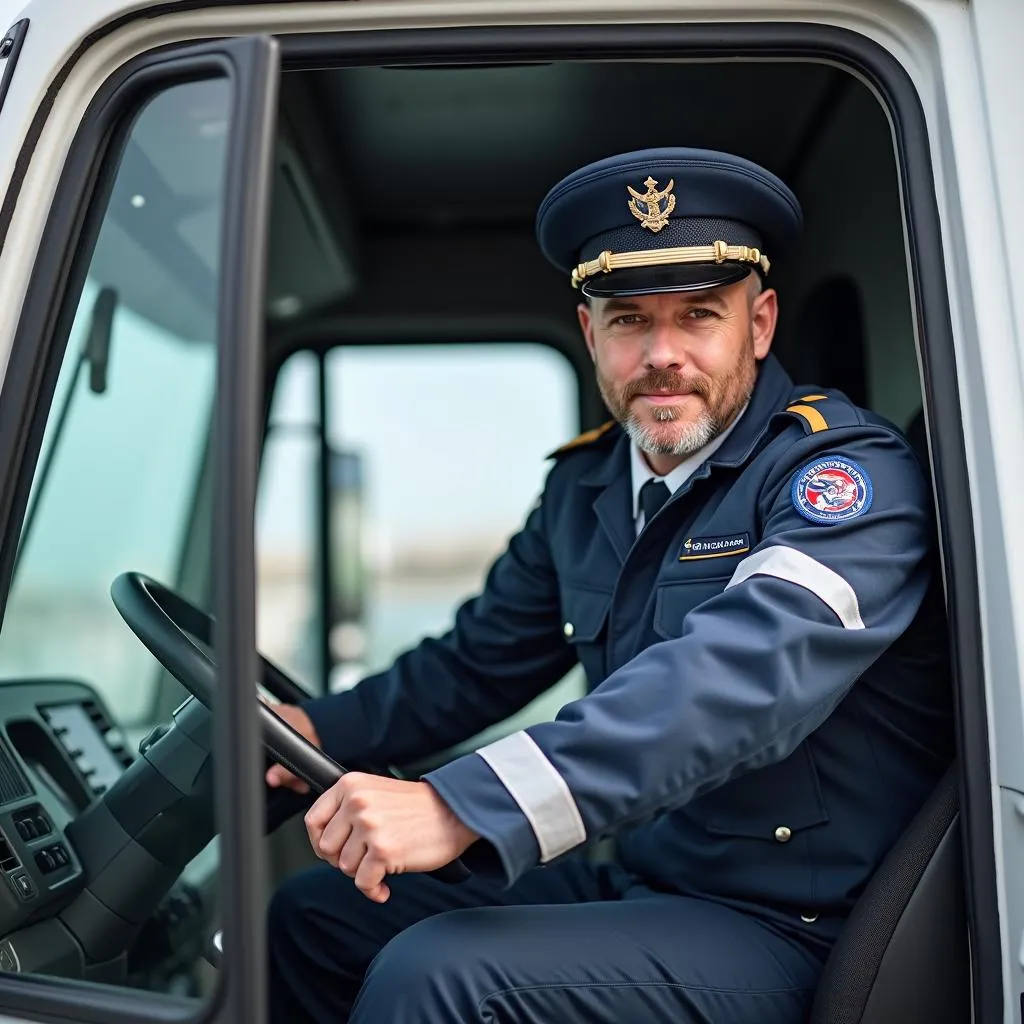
(584, 618)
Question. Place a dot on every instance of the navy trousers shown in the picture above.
(571, 943)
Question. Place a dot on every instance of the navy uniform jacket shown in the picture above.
(769, 688)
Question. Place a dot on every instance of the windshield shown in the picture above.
(125, 440)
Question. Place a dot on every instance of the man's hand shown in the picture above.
(370, 827)
(278, 775)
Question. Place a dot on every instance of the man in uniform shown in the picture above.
(746, 571)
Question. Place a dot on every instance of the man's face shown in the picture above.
(675, 369)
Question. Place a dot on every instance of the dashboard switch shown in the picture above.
(23, 885)
(32, 823)
(53, 858)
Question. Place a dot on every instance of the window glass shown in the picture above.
(120, 478)
(115, 490)
(118, 495)
(437, 452)
(287, 567)
(453, 440)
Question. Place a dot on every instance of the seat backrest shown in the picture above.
(903, 955)
(917, 435)
(829, 340)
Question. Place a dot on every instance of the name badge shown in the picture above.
(714, 547)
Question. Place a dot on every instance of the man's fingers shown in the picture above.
(352, 853)
(278, 776)
(369, 879)
(319, 816)
(334, 837)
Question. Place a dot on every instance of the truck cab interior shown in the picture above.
(421, 360)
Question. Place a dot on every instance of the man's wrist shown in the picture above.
(462, 834)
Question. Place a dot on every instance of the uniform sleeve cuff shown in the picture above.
(477, 797)
(512, 795)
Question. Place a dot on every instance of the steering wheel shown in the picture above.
(179, 635)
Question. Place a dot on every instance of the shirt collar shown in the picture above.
(641, 472)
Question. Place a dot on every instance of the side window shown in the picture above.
(288, 526)
(130, 418)
(114, 491)
(434, 455)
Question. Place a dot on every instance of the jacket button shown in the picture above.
(568, 629)
(783, 834)
(808, 918)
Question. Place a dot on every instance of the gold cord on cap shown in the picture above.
(719, 252)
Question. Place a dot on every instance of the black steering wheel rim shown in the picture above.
(169, 626)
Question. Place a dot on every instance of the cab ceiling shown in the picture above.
(389, 157)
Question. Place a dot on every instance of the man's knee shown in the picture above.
(433, 970)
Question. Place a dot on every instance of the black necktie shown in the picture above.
(653, 495)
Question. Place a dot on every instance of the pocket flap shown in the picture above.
(784, 796)
(584, 613)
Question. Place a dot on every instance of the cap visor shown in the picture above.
(688, 277)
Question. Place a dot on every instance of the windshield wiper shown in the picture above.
(95, 353)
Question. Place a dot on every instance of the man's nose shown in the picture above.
(665, 348)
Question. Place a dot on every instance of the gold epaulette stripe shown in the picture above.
(813, 398)
(588, 437)
(814, 418)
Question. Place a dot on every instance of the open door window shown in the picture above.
(130, 421)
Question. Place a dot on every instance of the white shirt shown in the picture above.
(642, 472)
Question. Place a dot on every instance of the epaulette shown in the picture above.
(587, 437)
(823, 412)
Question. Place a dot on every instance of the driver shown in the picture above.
(746, 570)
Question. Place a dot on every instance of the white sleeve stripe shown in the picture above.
(799, 568)
(542, 794)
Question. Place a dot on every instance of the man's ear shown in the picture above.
(585, 315)
(764, 315)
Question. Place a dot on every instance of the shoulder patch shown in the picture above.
(831, 490)
(817, 412)
(587, 437)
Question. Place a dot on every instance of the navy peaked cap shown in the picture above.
(670, 219)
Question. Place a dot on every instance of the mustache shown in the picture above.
(666, 380)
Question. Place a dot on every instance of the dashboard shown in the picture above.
(61, 754)
(58, 752)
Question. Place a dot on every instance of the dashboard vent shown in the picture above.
(106, 730)
(13, 784)
(91, 742)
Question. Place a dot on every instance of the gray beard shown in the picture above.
(694, 437)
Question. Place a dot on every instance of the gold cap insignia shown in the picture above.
(653, 216)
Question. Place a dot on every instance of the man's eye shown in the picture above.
(700, 313)
(626, 320)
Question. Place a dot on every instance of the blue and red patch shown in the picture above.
(831, 490)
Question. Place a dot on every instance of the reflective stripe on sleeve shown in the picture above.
(542, 794)
(796, 567)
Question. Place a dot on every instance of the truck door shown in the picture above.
(122, 243)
